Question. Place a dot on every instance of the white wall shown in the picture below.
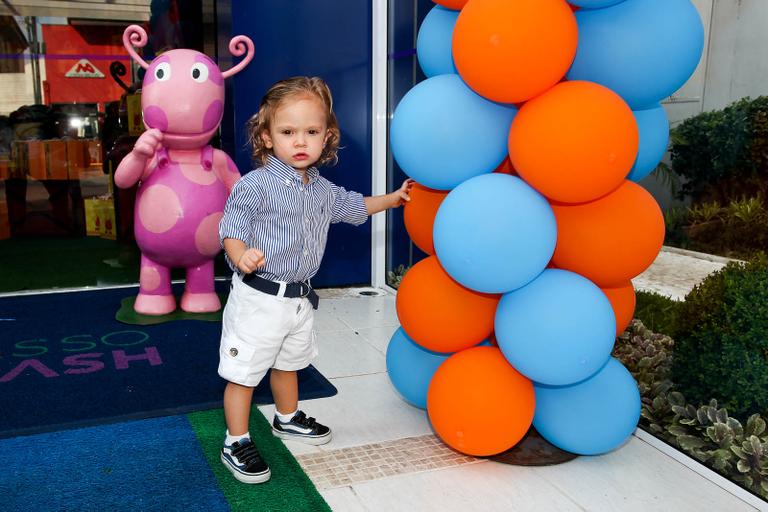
(734, 63)
(16, 89)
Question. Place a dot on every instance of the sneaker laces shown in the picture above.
(247, 453)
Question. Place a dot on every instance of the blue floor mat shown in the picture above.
(66, 362)
(154, 464)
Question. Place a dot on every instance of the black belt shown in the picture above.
(292, 290)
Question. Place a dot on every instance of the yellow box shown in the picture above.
(135, 121)
(100, 217)
(109, 229)
(93, 220)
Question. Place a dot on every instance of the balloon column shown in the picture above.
(562, 100)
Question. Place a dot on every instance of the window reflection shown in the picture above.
(70, 110)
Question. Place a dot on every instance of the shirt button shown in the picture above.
(233, 352)
(287, 182)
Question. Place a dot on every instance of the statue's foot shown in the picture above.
(154, 304)
(200, 302)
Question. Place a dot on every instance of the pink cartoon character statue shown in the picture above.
(183, 181)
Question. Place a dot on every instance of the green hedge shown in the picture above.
(736, 449)
(723, 154)
(721, 339)
(657, 312)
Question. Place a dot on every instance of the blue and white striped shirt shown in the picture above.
(271, 209)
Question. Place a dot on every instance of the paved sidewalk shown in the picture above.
(675, 272)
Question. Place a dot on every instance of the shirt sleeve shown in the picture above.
(237, 222)
(348, 206)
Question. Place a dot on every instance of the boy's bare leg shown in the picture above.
(237, 407)
(285, 390)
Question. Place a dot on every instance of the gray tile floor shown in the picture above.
(385, 457)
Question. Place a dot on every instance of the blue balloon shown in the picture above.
(594, 4)
(654, 139)
(592, 417)
(644, 50)
(494, 233)
(557, 330)
(443, 133)
(433, 45)
(411, 367)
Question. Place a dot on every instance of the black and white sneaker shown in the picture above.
(243, 460)
(302, 429)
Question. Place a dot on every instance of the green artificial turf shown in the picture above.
(289, 489)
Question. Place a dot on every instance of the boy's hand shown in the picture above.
(402, 195)
(251, 260)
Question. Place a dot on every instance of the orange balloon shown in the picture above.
(438, 313)
(510, 51)
(470, 385)
(419, 215)
(574, 143)
(611, 240)
(451, 4)
(623, 300)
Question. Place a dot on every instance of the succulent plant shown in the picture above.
(706, 433)
(395, 277)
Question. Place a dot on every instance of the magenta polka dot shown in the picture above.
(213, 115)
(159, 209)
(207, 235)
(155, 117)
(196, 174)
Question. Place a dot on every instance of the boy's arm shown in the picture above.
(376, 204)
(245, 259)
(236, 228)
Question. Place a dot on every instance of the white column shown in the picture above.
(379, 140)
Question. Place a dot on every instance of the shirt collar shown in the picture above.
(286, 172)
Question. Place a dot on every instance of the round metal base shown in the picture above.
(533, 450)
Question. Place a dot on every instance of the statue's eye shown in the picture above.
(199, 72)
(163, 71)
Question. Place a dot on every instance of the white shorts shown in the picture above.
(262, 331)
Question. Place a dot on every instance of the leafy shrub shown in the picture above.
(706, 433)
(739, 229)
(721, 335)
(747, 225)
(395, 277)
(675, 221)
(655, 311)
(723, 154)
(705, 212)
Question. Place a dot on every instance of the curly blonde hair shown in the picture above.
(281, 91)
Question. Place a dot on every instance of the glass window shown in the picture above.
(403, 72)
(70, 110)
